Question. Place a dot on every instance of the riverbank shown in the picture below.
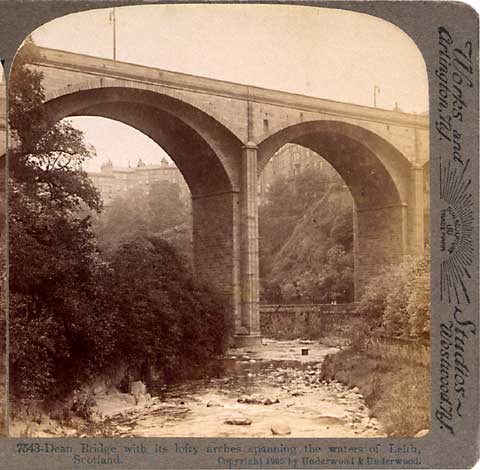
(272, 390)
(394, 379)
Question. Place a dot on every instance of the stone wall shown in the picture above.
(215, 248)
(283, 322)
(380, 241)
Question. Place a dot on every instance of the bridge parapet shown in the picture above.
(225, 101)
(309, 321)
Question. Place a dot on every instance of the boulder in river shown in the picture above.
(212, 404)
(269, 401)
(252, 400)
(144, 399)
(117, 396)
(137, 389)
(100, 389)
(280, 429)
(238, 420)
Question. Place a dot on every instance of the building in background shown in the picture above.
(290, 161)
(113, 182)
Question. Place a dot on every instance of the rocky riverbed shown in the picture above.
(267, 391)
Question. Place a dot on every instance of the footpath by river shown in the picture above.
(267, 391)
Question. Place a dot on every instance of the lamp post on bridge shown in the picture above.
(111, 19)
(376, 90)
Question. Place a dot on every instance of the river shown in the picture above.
(266, 390)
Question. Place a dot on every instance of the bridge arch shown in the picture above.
(202, 124)
(205, 152)
(377, 175)
(165, 119)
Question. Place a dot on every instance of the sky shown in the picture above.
(326, 53)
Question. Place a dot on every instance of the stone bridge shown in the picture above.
(221, 135)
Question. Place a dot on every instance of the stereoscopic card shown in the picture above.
(239, 235)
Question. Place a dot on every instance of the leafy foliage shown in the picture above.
(52, 250)
(392, 346)
(397, 302)
(170, 321)
(306, 241)
(74, 313)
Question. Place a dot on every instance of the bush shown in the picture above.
(418, 305)
(143, 307)
(395, 374)
(397, 302)
(170, 321)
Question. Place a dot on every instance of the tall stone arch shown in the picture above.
(379, 179)
(208, 156)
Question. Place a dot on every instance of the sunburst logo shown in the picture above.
(456, 233)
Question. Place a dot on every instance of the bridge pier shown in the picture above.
(247, 331)
(380, 241)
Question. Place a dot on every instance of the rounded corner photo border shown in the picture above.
(226, 245)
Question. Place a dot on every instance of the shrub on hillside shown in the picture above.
(306, 249)
(418, 305)
(397, 302)
(160, 212)
(394, 377)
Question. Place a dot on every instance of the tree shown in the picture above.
(73, 313)
(173, 324)
(46, 156)
(52, 248)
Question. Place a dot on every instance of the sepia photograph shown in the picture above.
(219, 225)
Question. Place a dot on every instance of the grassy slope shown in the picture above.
(395, 385)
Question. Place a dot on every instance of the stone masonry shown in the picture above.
(221, 135)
